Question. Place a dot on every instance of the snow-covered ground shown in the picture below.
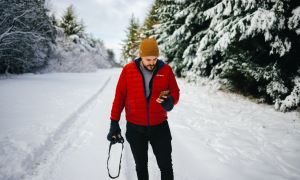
(54, 127)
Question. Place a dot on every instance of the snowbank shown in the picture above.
(78, 53)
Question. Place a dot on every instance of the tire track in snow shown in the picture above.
(55, 144)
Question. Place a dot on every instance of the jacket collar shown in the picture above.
(159, 63)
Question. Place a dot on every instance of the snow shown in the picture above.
(54, 126)
(261, 21)
(280, 47)
(77, 53)
(276, 87)
(292, 100)
(33, 110)
(223, 42)
(228, 8)
(295, 19)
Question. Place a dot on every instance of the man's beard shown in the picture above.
(149, 67)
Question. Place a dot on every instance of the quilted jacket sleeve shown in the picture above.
(173, 87)
(120, 96)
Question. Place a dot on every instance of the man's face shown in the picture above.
(149, 62)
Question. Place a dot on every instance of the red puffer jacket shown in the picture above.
(130, 92)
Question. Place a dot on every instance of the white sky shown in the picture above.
(105, 19)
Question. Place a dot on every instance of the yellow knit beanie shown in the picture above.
(148, 47)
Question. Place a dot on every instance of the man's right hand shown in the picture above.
(117, 139)
(114, 135)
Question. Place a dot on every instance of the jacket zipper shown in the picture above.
(147, 99)
(147, 103)
(150, 88)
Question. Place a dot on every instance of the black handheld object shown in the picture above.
(114, 136)
(117, 139)
(164, 93)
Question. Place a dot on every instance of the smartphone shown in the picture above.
(164, 93)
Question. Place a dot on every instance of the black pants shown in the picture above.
(160, 138)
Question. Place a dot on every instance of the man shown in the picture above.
(147, 88)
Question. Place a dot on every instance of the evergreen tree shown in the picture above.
(26, 36)
(168, 23)
(251, 46)
(53, 20)
(190, 32)
(69, 22)
(131, 43)
(111, 55)
(147, 29)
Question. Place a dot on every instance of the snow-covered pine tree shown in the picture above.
(74, 53)
(26, 35)
(70, 23)
(111, 57)
(131, 43)
(54, 20)
(147, 29)
(170, 47)
(293, 99)
(250, 44)
(190, 27)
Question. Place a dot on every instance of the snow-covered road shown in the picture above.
(54, 127)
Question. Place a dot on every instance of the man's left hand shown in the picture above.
(166, 102)
(161, 99)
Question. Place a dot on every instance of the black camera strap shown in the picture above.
(111, 143)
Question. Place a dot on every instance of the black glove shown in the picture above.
(114, 135)
(168, 103)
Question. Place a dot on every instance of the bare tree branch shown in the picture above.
(13, 24)
(5, 18)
